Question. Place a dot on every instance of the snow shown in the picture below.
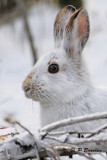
(16, 61)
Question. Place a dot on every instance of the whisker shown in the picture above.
(51, 97)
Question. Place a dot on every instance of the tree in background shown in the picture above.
(76, 3)
(10, 10)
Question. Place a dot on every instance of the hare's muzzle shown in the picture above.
(26, 86)
(27, 90)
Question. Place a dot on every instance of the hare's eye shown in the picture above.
(53, 68)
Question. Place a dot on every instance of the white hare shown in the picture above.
(60, 81)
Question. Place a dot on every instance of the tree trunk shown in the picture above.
(75, 3)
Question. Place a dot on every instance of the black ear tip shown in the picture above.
(78, 11)
(70, 7)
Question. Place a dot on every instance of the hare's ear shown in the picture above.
(60, 21)
(76, 32)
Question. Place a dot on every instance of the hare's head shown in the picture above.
(61, 73)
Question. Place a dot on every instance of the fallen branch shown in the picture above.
(70, 121)
(47, 144)
(97, 131)
(23, 146)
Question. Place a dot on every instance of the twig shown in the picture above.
(71, 149)
(36, 147)
(66, 132)
(51, 152)
(16, 122)
(57, 155)
(81, 141)
(97, 131)
(74, 120)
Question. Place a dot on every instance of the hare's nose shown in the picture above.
(26, 88)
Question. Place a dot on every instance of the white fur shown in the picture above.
(68, 93)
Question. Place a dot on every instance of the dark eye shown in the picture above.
(53, 68)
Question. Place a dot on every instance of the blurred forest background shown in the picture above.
(26, 33)
(11, 10)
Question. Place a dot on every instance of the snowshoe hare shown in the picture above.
(60, 81)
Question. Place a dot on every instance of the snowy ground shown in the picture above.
(16, 62)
